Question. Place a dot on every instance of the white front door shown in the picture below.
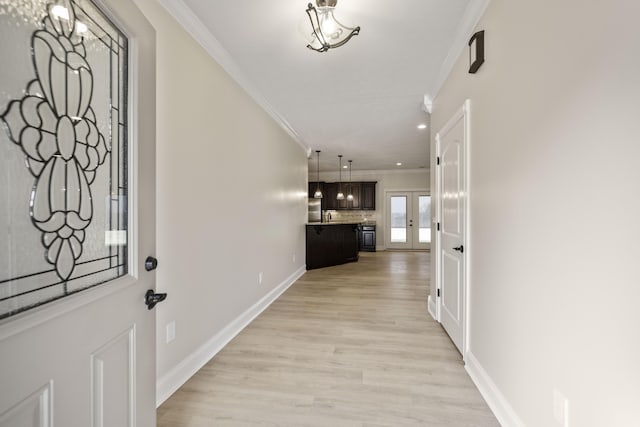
(451, 143)
(408, 224)
(77, 217)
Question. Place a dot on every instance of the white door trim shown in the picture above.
(462, 114)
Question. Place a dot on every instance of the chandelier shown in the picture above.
(328, 32)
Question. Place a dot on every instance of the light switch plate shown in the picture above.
(171, 331)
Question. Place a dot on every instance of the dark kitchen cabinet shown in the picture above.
(331, 244)
(355, 190)
(368, 196)
(368, 238)
(345, 204)
(364, 196)
(329, 201)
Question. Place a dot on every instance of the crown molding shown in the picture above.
(190, 22)
(474, 11)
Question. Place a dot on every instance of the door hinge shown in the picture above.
(438, 160)
(438, 227)
(438, 293)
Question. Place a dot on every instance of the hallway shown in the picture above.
(351, 345)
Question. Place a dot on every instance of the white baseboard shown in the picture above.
(176, 377)
(505, 414)
(431, 308)
(380, 248)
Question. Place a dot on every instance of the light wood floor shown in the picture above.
(351, 345)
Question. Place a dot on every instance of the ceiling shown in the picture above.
(363, 100)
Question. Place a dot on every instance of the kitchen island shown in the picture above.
(331, 243)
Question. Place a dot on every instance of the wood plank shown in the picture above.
(351, 345)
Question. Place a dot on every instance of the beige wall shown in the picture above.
(231, 199)
(555, 206)
(387, 180)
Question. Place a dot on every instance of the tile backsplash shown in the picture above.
(355, 216)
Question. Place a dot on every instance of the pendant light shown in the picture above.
(350, 194)
(340, 195)
(318, 193)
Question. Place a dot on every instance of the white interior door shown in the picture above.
(77, 221)
(408, 224)
(452, 246)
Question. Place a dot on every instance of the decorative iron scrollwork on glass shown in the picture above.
(56, 129)
(55, 126)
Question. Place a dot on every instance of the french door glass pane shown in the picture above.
(398, 219)
(424, 219)
(63, 151)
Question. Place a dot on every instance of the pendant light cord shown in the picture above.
(318, 193)
(318, 171)
(340, 172)
(350, 176)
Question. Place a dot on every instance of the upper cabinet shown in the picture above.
(356, 190)
(368, 196)
(364, 196)
(329, 201)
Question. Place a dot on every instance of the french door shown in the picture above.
(408, 220)
(77, 217)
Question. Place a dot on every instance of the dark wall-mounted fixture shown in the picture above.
(476, 51)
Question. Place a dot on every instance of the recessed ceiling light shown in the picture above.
(398, 164)
(422, 126)
(345, 167)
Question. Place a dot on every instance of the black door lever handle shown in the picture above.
(459, 249)
(151, 298)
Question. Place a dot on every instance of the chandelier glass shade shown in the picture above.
(327, 31)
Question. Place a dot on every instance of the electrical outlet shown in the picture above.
(560, 408)
(260, 278)
(171, 331)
